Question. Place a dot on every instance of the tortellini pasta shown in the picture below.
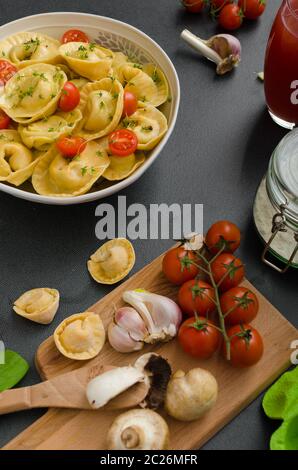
(23, 49)
(80, 336)
(148, 83)
(102, 106)
(41, 134)
(55, 175)
(34, 147)
(38, 305)
(16, 163)
(149, 125)
(87, 59)
(33, 93)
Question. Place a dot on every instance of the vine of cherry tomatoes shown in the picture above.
(229, 13)
(218, 310)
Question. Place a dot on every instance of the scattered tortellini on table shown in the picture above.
(38, 305)
(62, 95)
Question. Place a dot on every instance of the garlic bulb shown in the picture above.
(138, 430)
(190, 395)
(38, 305)
(154, 318)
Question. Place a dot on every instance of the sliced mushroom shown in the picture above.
(38, 305)
(138, 430)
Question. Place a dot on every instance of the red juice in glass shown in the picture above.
(281, 66)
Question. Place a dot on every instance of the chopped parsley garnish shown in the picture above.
(58, 76)
(115, 96)
(53, 95)
(143, 99)
(83, 53)
(101, 105)
(3, 54)
(92, 46)
(84, 170)
(138, 66)
(129, 123)
(51, 129)
(155, 77)
(92, 170)
(32, 43)
(99, 153)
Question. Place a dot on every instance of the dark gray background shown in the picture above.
(217, 156)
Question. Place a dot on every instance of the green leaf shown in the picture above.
(13, 370)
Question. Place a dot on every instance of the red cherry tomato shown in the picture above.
(7, 70)
(194, 6)
(177, 265)
(71, 146)
(123, 142)
(196, 296)
(199, 338)
(246, 345)
(130, 103)
(229, 266)
(242, 304)
(70, 97)
(74, 35)
(230, 17)
(223, 235)
(252, 9)
(4, 120)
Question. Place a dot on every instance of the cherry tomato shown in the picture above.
(74, 35)
(194, 6)
(196, 296)
(71, 146)
(123, 142)
(242, 304)
(4, 120)
(252, 8)
(227, 263)
(177, 265)
(246, 345)
(223, 235)
(70, 97)
(230, 17)
(130, 103)
(7, 70)
(198, 337)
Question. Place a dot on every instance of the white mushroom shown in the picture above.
(190, 395)
(138, 430)
(38, 305)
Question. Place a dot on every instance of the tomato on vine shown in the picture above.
(227, 271)
(199, 337)
(252, 9)
(196, 296)
(246, 345)
(239, 305)
(230, 17)
(223, 235)
(178, 267)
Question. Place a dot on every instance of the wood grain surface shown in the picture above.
(73, 429)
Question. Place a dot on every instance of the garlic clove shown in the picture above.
(129, 319)
(138, 430)
(110, 384)
(194, 241)
(121, 340)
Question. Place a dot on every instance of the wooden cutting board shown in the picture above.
(73, 429)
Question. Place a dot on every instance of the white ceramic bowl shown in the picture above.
(116, 36)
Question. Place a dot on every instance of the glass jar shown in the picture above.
(276, 205)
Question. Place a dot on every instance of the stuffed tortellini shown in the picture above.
(102, 106)
(41, 134)
(147, 83)
(28, 48)
(16, 163)
(87, 59)
(38, 305)
(121, 167)
(33, 93)
(149, 125)
(9, 135)
(80, 336)
(55, 175)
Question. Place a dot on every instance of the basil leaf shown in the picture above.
(13, 370)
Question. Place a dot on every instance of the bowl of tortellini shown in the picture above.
(86, 105)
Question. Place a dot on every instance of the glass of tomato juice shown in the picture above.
(281, 66)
